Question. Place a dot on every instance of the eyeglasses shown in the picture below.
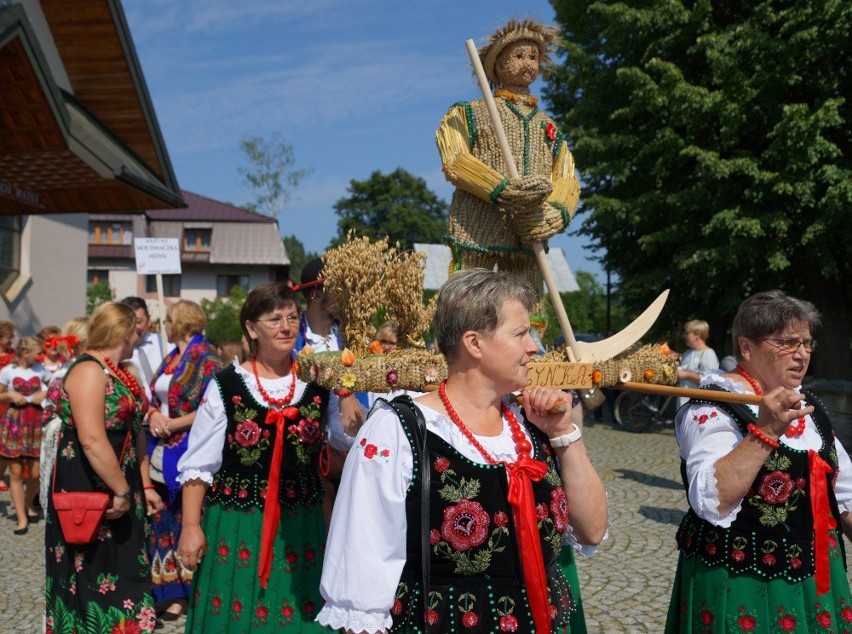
(790, 345)
(275, 323)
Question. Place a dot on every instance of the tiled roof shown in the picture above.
(201, 208)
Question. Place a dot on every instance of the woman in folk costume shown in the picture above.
(494, 219)
(453, 508)
(253, 455)
(177, 387)
(769, 489)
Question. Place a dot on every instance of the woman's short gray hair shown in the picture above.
(768, 312)
(471, 300)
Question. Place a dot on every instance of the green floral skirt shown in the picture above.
(567, 561)
(712, 600)
(227, 597)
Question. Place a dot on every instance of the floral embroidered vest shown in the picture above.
(476, 575)
(249, 442)
(773, 533)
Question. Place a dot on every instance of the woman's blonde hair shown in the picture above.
(109, 325)
(7, 328)
(186, 318)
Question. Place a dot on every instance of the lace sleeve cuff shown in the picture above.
(195, 474)
(338, 617)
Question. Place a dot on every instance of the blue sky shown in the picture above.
(353, 85)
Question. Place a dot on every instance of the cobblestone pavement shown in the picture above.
(625, 586)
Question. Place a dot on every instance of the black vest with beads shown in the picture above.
(773, 533)
(249, 442)
(476, 581)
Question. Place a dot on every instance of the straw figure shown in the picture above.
(494, 219)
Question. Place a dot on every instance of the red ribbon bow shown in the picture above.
(271, 507)
(823, 521)
(51, 342)
(521, 475)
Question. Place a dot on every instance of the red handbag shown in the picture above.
(81, 512)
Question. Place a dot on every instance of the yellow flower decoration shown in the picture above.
(348, 380)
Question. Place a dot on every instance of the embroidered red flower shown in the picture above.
(500, 518)
(236, 606)
(559, 509)
(550, 131)
(465, 525)
(738, 555)
(776, 487)
(396, 608)
(126, 627)
(508, 623)
(309, 431)
(824, 618)
(286, 611)
(262, 611)
(787, 622)
(441, 464)
(541, 511)
(308, 607)
(795, 563)
(711, 549)
(434, 536)
(706, 617)
(310, 554)
(244, 553)
(370, 451)
(291, 557)
(247, 434)
(224, 550)
(846, 613)
(216, 602)
(469, 619)
(768, 559)
(747, 622)
(317, 400)
(431, 617)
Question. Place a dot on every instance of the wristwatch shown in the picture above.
(566, 439)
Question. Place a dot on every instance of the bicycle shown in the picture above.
(637, 412)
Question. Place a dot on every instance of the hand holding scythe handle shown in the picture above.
(537, 246)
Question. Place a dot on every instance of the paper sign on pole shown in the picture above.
(157, 255)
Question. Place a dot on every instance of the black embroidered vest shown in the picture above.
(772, 535)
(476, 575)
(249, 442)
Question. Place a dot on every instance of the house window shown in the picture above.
(111, 233)
(196, 239)
(96, 276)
(10, 249)
(171, 285)
(225, 283)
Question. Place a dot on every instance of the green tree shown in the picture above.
(97, 294)
(586, 310)
(272, 175)
(398, 205)
(223, 316)
(298, 256)
(714, 144)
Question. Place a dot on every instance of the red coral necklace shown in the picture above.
(125, 377)
(277, 402)
(522, 445)
(795, 429)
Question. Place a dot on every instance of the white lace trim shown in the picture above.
(195, 474)
(338, 617)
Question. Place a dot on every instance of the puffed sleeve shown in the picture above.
(705, 433)
(203, 456)
(843, 487)
(365, 552)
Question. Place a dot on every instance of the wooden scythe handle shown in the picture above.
(537, 246)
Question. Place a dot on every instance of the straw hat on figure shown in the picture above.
(495, 219)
